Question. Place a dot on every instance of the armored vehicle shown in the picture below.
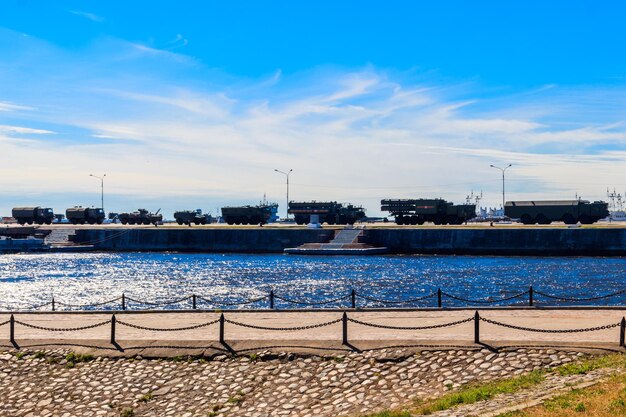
(82, 215)
(421, 210)
(329, 212)
(259, 214)
(30, 215)
(566, 211)
(141, 216)
(191, 216)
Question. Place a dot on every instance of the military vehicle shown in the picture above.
(30, 215)
(82, 215)
(259, 214)
(141, 216)
(421, 210)
(191, 216)
(566, 211)
(329, 212)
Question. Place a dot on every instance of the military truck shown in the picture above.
(82, 215)
(30, 215)
(421, 210)
(141, 216)
(192, 216)
(259, 214)
(566, 211)
(329, 212)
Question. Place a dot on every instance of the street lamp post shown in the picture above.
(502, 169)
(101, 188)
(286, 174)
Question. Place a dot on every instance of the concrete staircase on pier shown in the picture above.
(345, 242)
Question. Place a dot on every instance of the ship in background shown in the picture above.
(617, 206)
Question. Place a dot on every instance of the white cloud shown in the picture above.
(87, 15)
(23, 130)
(4, 106)
(163, 127)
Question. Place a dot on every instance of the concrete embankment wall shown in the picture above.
(445, 240)
(200, 239)
(501, 241)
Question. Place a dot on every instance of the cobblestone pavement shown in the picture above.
(264, 384)
(553, 385)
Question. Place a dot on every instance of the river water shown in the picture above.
(84, 278)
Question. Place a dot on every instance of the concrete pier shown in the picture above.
(540, 241)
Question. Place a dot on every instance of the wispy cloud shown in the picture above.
(87, 15)
(5, 106)
(163, 126)
(6, 129)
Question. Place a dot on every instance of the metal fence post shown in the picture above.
(113, 320)
(222, 320)
(53, 303)
(272, 299)
(123, 302)
(193, 300)
(12, 330)
(344, 322)
(530, 296)
(622, 331)
(353, 298)
(476, 328)
(439, 297)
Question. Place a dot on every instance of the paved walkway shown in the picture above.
(327, 337)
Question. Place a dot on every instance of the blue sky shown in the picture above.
(194, 106)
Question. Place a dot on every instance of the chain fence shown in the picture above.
(476, 319)
(352, 299)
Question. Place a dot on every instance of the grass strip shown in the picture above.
(474, 393)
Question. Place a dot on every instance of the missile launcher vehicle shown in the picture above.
(82, 215)
(141, 216)
(33, 215)
(421, 210)
(259, 214)
(329, 212)
(566, 211)
(192, 216)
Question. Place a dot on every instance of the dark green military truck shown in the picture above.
(421, 210)
(82, 215)
(33, 215)
(566, 211)
(329, 212)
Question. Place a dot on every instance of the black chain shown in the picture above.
(240, 303)
(174, 329)
(161, 303)
(530, 329)
(433, 326)
(312, 303)
(5, 322)
(600, 297)
(60, 329)
(88, 305)
(484, 301)
(412, 300)
(40, 305)
(311, 326)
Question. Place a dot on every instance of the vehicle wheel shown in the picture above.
(124, 222)
(147, 222)
(203, 222)
(526, 219)
(542, 219)
(399, 220)
(584, 219)
(179, 221)
(412, 220)
(420, 221)
(196, 222)
(568, 219)
(230, 222)
(100, 221)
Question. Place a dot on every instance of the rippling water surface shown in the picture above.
(31, 279)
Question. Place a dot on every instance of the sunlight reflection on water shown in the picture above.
(30, 279)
